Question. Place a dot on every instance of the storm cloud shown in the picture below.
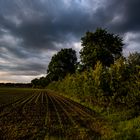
(31, 31)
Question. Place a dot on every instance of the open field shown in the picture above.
(39, 114)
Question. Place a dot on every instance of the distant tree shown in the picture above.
(43, 82)
(61, 64)
(35, 82)
(100, 46)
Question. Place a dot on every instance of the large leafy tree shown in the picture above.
(100, 46)
(61, 64)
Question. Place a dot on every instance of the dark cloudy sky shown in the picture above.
(31, 31)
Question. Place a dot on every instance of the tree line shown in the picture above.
(98, 46)
(103, 73)
(16, 85)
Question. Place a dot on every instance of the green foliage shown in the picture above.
(81, 84)
(134, 59)
(111, 86)
(35, 82)
(133, 62)
(41, 82)
(100, 46)
(62, 63)
(103, 75)
(127, 130)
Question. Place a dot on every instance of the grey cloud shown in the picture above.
(48, 27)
(25, 69)
(126, 13)
(36, 28)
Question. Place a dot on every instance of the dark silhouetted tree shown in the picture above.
(35, 82)
(100, 46)
(61, 64)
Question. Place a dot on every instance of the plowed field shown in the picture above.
(39, 114)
